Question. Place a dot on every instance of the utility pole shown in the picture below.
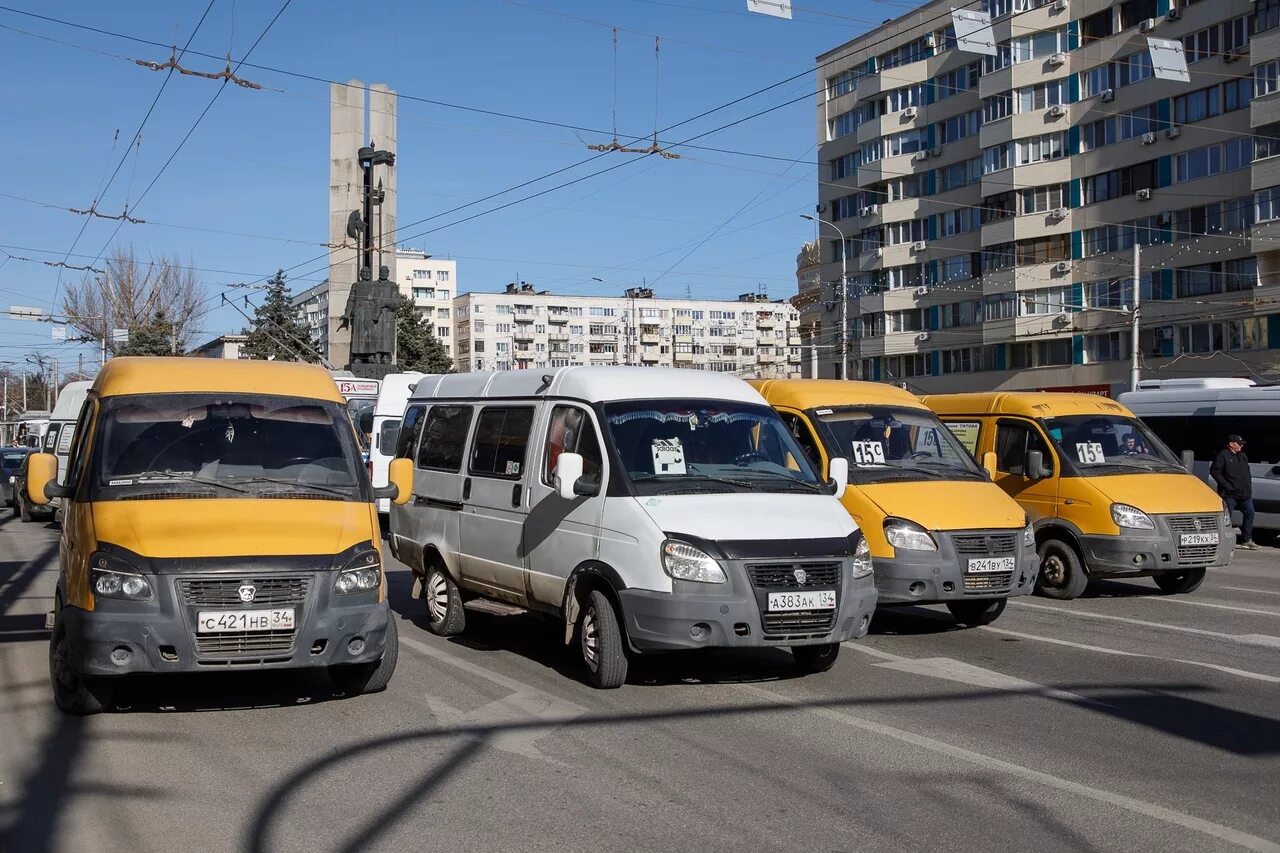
(841, 292)
(1134, 370)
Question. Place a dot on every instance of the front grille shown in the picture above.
(236, 644)
(994, 582)
(798, 625)
(1197, 555)
(782, 575)
(1192, 523)
(985, 544)
(225, 592)
(170, 496)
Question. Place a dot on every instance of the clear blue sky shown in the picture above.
(257, 165)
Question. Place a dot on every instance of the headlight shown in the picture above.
(908, 535)
(1130, 516)
(362, 574)
(861, 558)
(1227, 522)
(111, 578)
(1029, 535)
(684, 562)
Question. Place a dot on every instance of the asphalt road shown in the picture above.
(1122, 721)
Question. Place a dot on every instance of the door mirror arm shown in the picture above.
(53, 490)
(390, 492)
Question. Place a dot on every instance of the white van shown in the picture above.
(1197, 415)
(62, 423)
(386, 426)
(647, 509)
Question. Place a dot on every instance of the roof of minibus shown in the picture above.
(1028, 404)
(395, 390)
(70, 399)
(814, 393)
(159, 375)
(593, 384)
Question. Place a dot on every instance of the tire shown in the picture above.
(600, 641)
(73, 693)
(24, 510)
(1061, 573)
(1179, 583)
(820, 658)
(972, 614)
(445, 614)
(359, 678)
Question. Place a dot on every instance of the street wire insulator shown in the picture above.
(173, 64)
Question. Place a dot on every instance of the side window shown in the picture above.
(571, 430)
(387, 435)
(79, 445)
(444, 438)
(966, 432)
(804, 437)
(1013, 441)
(502, 437)
(410, 429)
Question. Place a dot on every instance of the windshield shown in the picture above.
(225, 445)
(1110, 444)
(669, 447)
(885, 444)
(11, 460)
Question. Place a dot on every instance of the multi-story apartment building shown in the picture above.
(809, 302)
(430, 282)
(986, 206)
(527, 328)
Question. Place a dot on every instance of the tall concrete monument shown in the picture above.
(362, 220)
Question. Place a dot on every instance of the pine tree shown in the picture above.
(277, 333)
(417, 347)
(155, 338)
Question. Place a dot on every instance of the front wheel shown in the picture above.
(445, 612)
(1061, 572)
(354, 679)
(600, 641)
(1176, 583)
(973, 614)
(819, 658)
(73, 693)
(24, 510)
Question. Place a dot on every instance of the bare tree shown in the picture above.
(140, 296)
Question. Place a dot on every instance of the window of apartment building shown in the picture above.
(957, 267)
(1217, 277)
(477, 309)
(1002, 306)
(959, 127)
(962, 220)
(1049, 146)
(959, 80)
(1041, 96)
(896, 100)
(999, 206)
(997, 158)
(1110, 346)
(1043, 250)
(1004, 8)
(909, 231)
(442, 275)
(997, 107)
(602, 346)
(905, 366)
(1113, 293)
(845, 207)
(1213, 159)
(601, 329)
(1044, 300)
(1026, 48)
(842, 167)
(421, 292)
(1266, 141)
(1114, 129)
(867, 326)
(912, 51)
(500, 309)
(959, 314)
(966, 360)
(1042, 199)
(912, 275)
(419, 274)
(1267, 204)
(959, 174)
(1214, 218)
(1040, 353)
(443, 314)
(476, 346)
(1198, 105)
(1266, 16)
(1201, 44)
(1134, 12)
(843, 83)
(1118, 182)
(602, 312)
(442, 331)
(998, 257)
(501, 346)
(910, 320)
(897, 189)
(843, 125)
(1266, 78)
(502, 328)
(1097, 26)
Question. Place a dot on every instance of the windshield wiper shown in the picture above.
(948, 468)
(790, 481)
(171, 476)
(306, 487)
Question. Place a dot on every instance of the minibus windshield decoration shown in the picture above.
(1111, 444)
(883, 443)
(706, 446)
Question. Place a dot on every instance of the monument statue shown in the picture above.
(371, 316)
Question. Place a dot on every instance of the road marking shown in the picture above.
(1248, 639)
(1157, 812)
(1169, 600)
(524, 705)
(1257, 676)
(950, 669)
(1247, 589)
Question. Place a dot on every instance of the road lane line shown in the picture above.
(1264, 640)
(1243, 673)
(1170, 600)
(1246, 589)
(1219, 831)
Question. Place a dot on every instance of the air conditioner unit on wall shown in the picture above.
(1172, 132)
(909, 113)
(1143, 194)
(1057, 58)
(1062, 267)
(1058, 213)
(1148, 138)
(1057, 111)
(1060, 5)
(1108, 95)
(923, 336)
(1147, 25)
(1231, 54)
(1173, 14)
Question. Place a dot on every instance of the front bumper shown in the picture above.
(697, 616)
(933, 577)
(159, 636)
(1137, 553)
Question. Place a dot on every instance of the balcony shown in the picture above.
(650, 356)
(523, 333)
(650, 338)
(766, 321)
(558, 339)
(684, 358)
(524, 355)
(557, 318)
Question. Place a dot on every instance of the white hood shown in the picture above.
(750, 516)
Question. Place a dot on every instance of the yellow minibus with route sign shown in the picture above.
(1106, 497)
(940, 531)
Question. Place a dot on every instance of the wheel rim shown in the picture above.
(590, 639)
(1053, 570)
(437, 597)
(64, 677)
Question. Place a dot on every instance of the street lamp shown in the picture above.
(844, 300)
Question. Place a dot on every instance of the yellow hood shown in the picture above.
(955, 505)
(1159, 494)
(233, 528)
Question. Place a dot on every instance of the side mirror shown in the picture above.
(568, 472)
(399, 481)
(1035, 465)
(838, 470)
(989, 464)
(42, 479)
(1189, 460)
